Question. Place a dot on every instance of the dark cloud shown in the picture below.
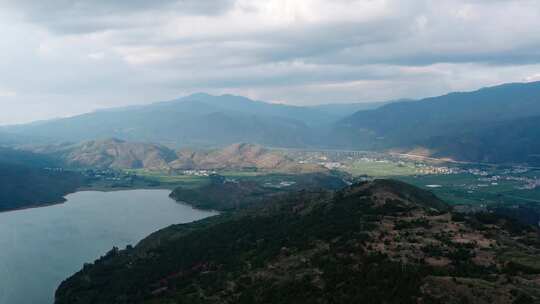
(70, 56)
(87, 16)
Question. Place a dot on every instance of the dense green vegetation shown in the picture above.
(509, 190)
(349, 246)
(28, 179)
(516, 141)
(23, 186)
(226, 193)
(220, 194)
(171, 180)
(27, 159)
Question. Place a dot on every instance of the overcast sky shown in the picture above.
(64, 57)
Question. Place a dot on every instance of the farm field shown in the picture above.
(467, 189)
(171, 180)
(379, 168)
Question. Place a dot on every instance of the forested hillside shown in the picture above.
(374, 242)
(495, 124)
(28, 180)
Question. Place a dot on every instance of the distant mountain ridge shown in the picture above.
(195, 120)
(493, 124)
(460, 125)
(346, 109)
(514, 141)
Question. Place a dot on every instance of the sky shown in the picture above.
(64, 57)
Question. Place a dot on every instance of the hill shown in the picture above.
(373, 242)
(116, 154)
(241, 156)
(224, 194)
(119, 154)
(29, 180)
(515, 141)
(26, 158)
(470, 118)
(23, 187)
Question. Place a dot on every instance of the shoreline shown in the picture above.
(111, 189)
(36, 206)
(97, 189)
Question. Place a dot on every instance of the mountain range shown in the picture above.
(195, 120)
(495, 124)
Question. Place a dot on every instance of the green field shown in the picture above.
(460, 188)
(189, 181)
(379, 169)
(239, 173)
(463, 189)
(171, 180)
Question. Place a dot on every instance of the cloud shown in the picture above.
(80, 17)
(7, 93)
(534, 77)
(76, 56)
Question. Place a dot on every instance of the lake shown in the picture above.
(40, 247)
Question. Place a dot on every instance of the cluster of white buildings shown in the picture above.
(425, 169)
(331, 165)
(198, 172)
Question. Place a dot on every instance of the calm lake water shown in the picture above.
(41, 247)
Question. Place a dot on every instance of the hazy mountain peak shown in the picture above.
(199, 95)
(206, 96)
